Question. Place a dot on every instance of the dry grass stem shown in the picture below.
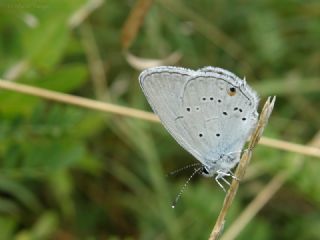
(265, 195)
(134, 22)
(291, 147)
(82, 13)
(135, 113)
(78, 101)
(143, 63)
(242, 166)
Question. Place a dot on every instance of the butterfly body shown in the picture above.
(209, 112)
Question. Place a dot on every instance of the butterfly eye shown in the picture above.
(232, 91)
(204, 170)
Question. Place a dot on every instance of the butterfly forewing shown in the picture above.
(163, 87)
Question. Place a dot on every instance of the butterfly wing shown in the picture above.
(162, 87)
(221, 111)
(198, 108)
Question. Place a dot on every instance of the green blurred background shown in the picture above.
(72, 173)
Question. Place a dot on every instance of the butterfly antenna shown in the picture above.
(184, 187)
(174, 172)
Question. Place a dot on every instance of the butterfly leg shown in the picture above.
(226, 181)
(233, 176)
(217, 180)
(221, 175)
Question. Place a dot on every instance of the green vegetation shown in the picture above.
(72, 173)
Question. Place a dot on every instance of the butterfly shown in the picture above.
(210, 112)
